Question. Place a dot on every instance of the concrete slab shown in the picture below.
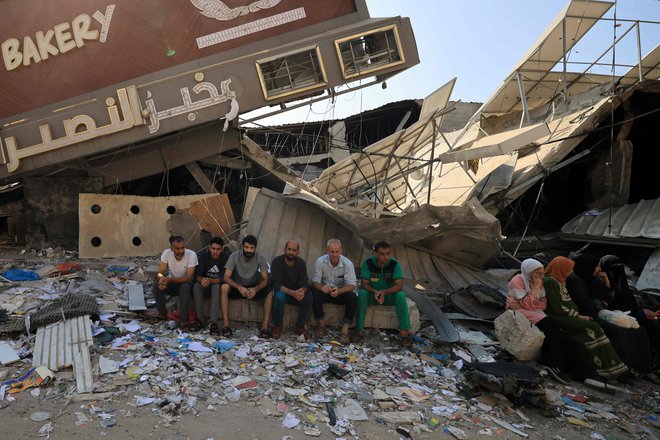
(378, 317)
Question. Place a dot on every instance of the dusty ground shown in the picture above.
(209, 408)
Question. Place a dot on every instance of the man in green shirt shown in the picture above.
(382, 284)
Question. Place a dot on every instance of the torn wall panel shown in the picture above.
(114, 225)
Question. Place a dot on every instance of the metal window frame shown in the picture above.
(269, 96)
(402, 58)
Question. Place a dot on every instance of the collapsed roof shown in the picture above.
(524, 131)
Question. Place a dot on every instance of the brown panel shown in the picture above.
(215, 215)
(143, 37)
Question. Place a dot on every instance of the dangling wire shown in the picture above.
(612, 94)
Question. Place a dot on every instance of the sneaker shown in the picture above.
(558, 375)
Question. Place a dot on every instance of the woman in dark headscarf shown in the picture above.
(625, 300)
(590, 289)
(595, 353)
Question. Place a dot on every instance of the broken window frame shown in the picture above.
(318, 69)
(367, 58)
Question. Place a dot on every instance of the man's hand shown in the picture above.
(299, 294)
(250, 292)
(162, 282)
(243, 291)
(380, 296)
(205, 282)
(334, 292)
(586, 318)
(327, 289)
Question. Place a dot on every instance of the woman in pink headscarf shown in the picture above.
(527, 296)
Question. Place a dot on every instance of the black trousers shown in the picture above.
(348, 299)
(555, 344)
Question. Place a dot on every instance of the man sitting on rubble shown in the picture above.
(246, 276)
(334, 281)
(382, 284)
(175, 275)
(208, 279)
(290, 285)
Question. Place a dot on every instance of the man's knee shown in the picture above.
(279, 296)
(400, 297)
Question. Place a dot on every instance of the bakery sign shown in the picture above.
(60, 39)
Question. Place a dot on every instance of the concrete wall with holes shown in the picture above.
(131, 226)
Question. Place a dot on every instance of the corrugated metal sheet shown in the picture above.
(638, 223)
(64, 344)
(274, 219)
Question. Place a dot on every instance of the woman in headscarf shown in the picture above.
(590, 289)
(595, 354)
(625, 300)
(527, 296)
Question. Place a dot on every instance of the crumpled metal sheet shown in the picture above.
(69, 306)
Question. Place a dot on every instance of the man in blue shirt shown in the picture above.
(334, 281)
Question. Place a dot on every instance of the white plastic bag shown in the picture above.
(618, 318)
(518, 336)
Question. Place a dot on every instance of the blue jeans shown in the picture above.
(281, 299)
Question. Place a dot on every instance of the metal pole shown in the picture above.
(523, 100)
(563, 44)
(428, 196)
(639, 53)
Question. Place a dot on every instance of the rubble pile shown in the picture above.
(304, 387)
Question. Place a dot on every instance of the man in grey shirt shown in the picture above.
(334, 281)
(246, 276)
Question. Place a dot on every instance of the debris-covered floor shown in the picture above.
(152, 381)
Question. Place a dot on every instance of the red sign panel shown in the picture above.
(55, 50)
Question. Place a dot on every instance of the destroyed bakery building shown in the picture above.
(124, 123)
(97, 94)
(552, 142)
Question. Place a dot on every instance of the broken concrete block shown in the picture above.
(518, 336)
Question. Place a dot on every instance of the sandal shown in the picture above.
(321, 332)
(265, 333)
(344, 339)
(194, 326)
(214, 330)
(153, 317)
(358, 337)
(406, 342)
(227, 332)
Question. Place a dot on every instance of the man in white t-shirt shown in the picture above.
(175, 276)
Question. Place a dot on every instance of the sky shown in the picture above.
(479, 42)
